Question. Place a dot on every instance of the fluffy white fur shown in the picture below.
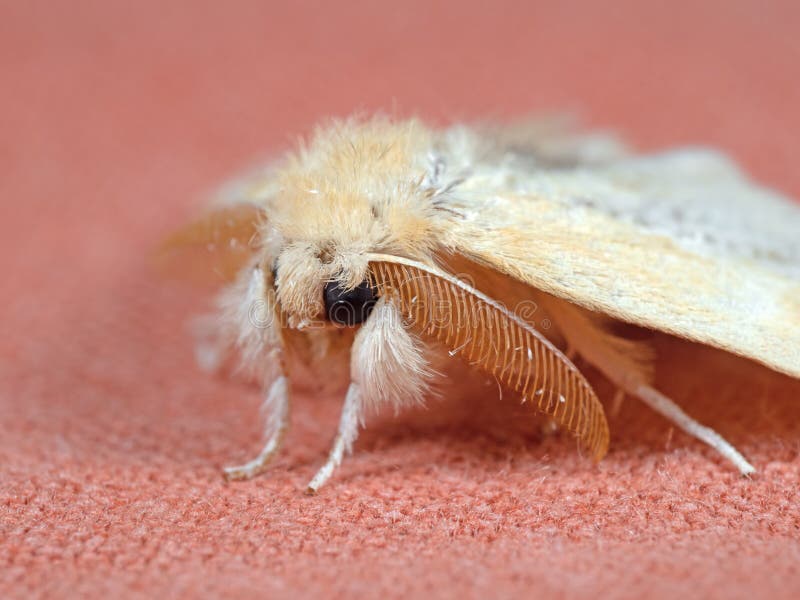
(248, 312)
(387, 361)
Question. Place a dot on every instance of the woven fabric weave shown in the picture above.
(117, 118)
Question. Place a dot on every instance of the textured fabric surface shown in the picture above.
(116, 118)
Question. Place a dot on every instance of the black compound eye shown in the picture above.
(348, 307)
(275, 274)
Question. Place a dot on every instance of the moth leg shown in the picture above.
(616, 402)
(666, 407)
(346, 436)
(276, 405)
(630, 383)
(259, 339)
(387, 366)
(626, 364)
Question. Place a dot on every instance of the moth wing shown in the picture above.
(680, 242)
(551, 141)
(215, 247)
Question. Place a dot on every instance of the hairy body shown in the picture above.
(388, 251)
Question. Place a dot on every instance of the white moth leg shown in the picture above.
(386, 366)
(249, 310)
(616, 402)
(625, 364)
(346, 436)
(666, 407)
(276, 405)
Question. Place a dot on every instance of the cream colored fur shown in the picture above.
(388, 361)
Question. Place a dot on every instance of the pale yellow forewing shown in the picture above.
(679, 242)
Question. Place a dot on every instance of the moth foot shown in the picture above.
(348, 431)
(666, 407)
(248, 470)
(323, 474)
(277, 405)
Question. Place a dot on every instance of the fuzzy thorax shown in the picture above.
(358, 187)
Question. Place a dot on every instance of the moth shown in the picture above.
(398, 253)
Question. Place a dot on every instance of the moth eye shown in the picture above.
(349, 307)
(275, 274)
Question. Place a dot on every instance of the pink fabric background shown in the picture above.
(117, 118)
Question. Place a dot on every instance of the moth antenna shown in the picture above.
(495, 340)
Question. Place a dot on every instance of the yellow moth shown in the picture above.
(510, 250)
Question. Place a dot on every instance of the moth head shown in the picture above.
(359, 187)
(316, 285)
